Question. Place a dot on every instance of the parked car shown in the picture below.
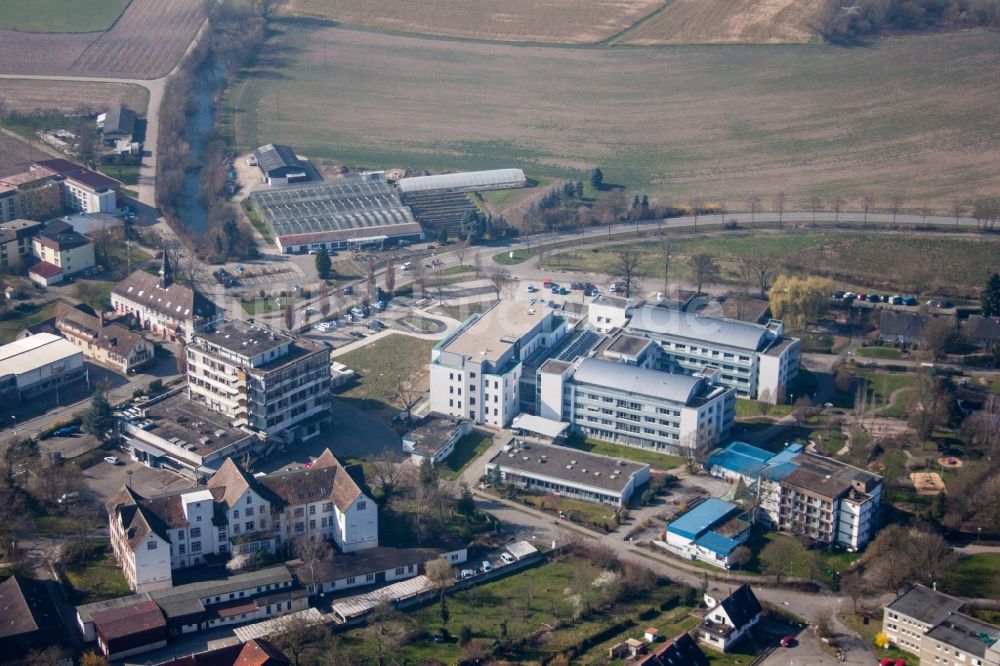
(468, 573)
(940, 303)
(376, 325)
(909, 300)
(873, 298)
(507, 558)
(787, 641)
(66, 498)
(487, 567)
(896, 300)
(532, 289)
(358, 335)
(348, 291)
(555, 289)
(66, 431)
(837, 294)
(111, 459)
(562, 291)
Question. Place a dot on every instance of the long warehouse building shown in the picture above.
(466, 181)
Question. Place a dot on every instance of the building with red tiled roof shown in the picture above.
(60, 247)
(255, 652)
(82, 189)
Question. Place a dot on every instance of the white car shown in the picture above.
(111, 459)
(507, 558)
(468, 573)
(66, 498)
(487, 567)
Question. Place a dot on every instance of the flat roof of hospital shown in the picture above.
(571, 465)
(495, 331)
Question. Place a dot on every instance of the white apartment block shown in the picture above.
(649, 409)
(267, 381)
(475, 371)
(756, 360)
(823, 499)
(237, 514)
(933, 626)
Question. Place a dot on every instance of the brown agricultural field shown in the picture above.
(914, 117)
(16, 155)
(728, 22)
(546, 21)
(25, 95)
(144, 43)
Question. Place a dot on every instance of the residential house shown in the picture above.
(373, 566)
(28, 617)
(62, 252)
(904, 328)
(709, 532)
(434, 438)
(268, 381)
(255, 652)
(33, 195)
(159, 304)
(15, 242)
(118, 128)
(110, 344)
(237, 514)
(933, 626)
(759, 361)
(475, 372)
(681, 651)
(672, 413)
(728, 620)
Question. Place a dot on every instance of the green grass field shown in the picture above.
(858, 257)
(60, 15)
(652, 458)
(380, 364)
(975, 576)
(466, 450)
(749, 409)
(720, 124)
(97, 579)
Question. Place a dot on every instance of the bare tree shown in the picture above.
(815, 203)
(312, 550)
(324, 299)
(754, 209)
(390, 275)
(705, 269)
(477, 264)
(837, 204)
(867, 204)
(627, 269)
(406, 396)
(779, 201)
(296, 636)
(924, 212)
(419, 277)
(440, 574)
(288, 315)
(461, 249)
(665, 258)
(386, 475)
(758, 269)
(501, 279)
(370, 281)
(958, 209)
(696, 206)
(386, 630)
(895, 204)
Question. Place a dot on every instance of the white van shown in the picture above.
(507, 558)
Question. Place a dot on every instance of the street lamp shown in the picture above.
(979, 534)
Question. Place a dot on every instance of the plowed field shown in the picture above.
(728, 22)
(26, 95)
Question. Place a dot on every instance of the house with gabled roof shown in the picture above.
(681, 651)
(727, 621)
(238, 514)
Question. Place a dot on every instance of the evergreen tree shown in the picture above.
(443, 237)
(99, 419)
(990, 297)
(596, 178)
(579, 189)
(428, 475)
(323, 264)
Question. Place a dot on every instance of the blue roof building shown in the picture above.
(708, 532)
(740, 460)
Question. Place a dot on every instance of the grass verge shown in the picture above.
(651, 458)
(466, 450)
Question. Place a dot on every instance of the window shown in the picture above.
(180, 534)
(150, 545)
(350, 581)
(249, 511)
(362, 506)
(328, 507)
(196, 546)
(236, 513)
(312, 509)
(299, 512)
(369, 578)
(249, 526)
(249, 499)
(182, 549)
(400, 571)
(195, 532)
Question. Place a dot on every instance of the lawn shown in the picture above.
(97, 578)
(466, 450)
(881, 386)
(748, 409)
(58, 525)
(512, 257)
(60, 15)
(380, 364)
(525, 601)
(827, 561)
(258, 224)
(259, 305)
(868, 632)
(975, 576)
(12, 321)
(656, 460)
(577, 511)
(128, 175)
(815, 119)
(887, 353)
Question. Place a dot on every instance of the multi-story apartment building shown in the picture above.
(475, 371)
(616, 402)
(81, 189)
(267, 381)
(237, 513)
(822, 498)
(34, 195)
(931, 625)
(160, 305)
(757, 360)
(15, 241)
(61, 251)
(806, 493)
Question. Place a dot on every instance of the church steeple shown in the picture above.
(166, 272)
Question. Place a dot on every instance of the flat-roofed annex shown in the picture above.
(495, 331)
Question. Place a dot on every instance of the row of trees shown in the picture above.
(849, 22)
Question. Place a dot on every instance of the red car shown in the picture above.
(787, 641)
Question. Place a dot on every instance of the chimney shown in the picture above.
(100, 317)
